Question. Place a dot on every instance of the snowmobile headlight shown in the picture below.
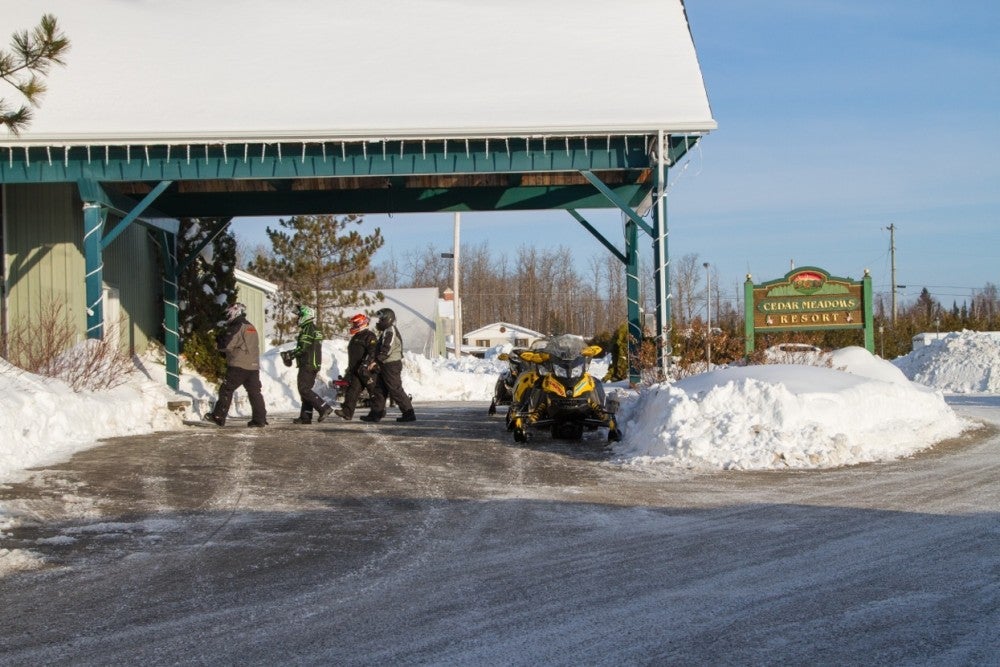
(575, 370)
(561, 371)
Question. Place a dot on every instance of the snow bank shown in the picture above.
(961, 363)
(784, 416)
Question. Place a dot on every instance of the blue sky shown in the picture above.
(836, 118)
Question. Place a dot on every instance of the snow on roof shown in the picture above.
(178, 71)
(255, 281)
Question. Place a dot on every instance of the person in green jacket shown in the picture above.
(308, 354)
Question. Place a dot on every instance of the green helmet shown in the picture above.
(306, 315)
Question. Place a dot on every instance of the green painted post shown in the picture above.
(661, 278)
(632, 294)
(171, 335)
(94, 216)
(749, 334)
(869, 316)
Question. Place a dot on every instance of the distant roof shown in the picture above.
(176, 71)
(255, 281)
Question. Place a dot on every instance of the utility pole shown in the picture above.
(454, 287)
(892, 276)
(708, 305)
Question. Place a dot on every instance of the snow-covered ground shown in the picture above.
(848, 409)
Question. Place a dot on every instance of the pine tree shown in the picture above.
(206, 288)
(319, 261)
(24, 67)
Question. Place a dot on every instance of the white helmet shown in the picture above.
(234, 311)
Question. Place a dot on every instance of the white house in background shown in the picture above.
(478, 341)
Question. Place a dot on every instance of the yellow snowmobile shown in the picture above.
(560, 394)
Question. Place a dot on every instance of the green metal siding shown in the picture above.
(44, 257)
(130, 265)
(42, 254)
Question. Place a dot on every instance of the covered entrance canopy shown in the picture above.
(258, 107)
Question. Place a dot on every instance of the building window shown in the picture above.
(482, 343)
(520, 342)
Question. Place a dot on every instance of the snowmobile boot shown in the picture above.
(257, 424)
(408, 416)
(305, 416)
(302, 420)
(324, 412)
(210, 417)
(373, 417)
(344, 414)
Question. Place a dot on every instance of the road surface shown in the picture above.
(444, 542)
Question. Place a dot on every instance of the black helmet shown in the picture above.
(386, 318)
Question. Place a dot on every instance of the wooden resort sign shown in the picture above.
(809, 299)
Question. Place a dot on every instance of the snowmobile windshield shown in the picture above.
(566, 347)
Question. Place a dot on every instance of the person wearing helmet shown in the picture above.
(389, 364)
(360, 353)
(240, 344)
(308, 355)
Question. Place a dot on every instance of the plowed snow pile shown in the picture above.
(965, 362)
(785, 416)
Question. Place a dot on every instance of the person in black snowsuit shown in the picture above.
(241, 346)
(389, 364)
(308, 354)
(360, 353)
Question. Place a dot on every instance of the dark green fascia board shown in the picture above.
(613, 197)
(319, 160)
(600, 237)
(392, 200)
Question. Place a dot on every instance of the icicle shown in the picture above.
(206, 153)
(423, 147)
(188, 150)
(225, 154)
(586, 152)
(168, 152)
(107, 154)
(146, 148)
(343, 151)
(246, 152)
(323, 146)
(48, 153)
(445, 149)
(625, 139)
(88, 153)
(487, 149)
(609, 143)
(263, 152)
(401, 150)
(467, 149)
(303, 160)
(544, 149)
(506, 141)
(128, 154)
(567, 146)
(383, 150)
(279, 151)
(364, 149)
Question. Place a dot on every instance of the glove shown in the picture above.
(287, 357)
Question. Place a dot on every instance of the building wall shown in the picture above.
(43, 256)
(255, 300)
